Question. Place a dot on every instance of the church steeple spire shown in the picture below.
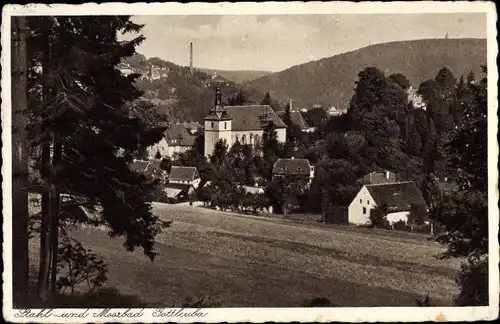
(218, 112)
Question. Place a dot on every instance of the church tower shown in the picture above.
(217, 125)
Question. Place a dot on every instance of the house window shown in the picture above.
(364, 210)
(212, 124)
(367, 202)
(361, 201)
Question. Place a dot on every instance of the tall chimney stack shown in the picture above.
(191, 57)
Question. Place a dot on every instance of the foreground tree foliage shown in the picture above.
(84, 133)
(464, 215)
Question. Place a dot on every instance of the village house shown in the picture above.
(296, 118)
(293, 167)
(182, 181)
(415, 98)
(332, 111)
(148, 168)
(377, 178)
(397, 197)
(244, 124)
(178, 138)
(125, 69)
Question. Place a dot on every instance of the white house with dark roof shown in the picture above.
(178, 138)
(293, 167)
(182, 181)
(398, 197)
(184, 175)
(244, 124)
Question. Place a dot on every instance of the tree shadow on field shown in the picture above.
(107, 297)
(319, 302)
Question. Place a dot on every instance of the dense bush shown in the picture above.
(473, 282)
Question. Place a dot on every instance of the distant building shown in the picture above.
(293, 167)
(378, 178)
(332, 111)
(184, 175)
(158, 72)
(148, 168)
(125, 69)
(182, 181)
(244, 124)
(253, 190)
(178, 138)
(297, 119)
(398, 197)
(415, 98)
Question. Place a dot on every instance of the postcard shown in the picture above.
(250, 162)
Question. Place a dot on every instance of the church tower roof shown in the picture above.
(218, 112)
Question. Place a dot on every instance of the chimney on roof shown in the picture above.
(290, 104)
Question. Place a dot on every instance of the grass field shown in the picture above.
(250, 261)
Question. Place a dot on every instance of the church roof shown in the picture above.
(251, 117)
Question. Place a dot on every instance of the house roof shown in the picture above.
(398, 196)
(178, 135)
(139, 166)
(182, 173)
(253, 190)
(292, 167)
(252, 117)
(296, 117)
(193, 127)
(146, 166)
(377, 178)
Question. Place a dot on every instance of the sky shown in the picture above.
(277, 42)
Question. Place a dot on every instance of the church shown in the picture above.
(244, 124)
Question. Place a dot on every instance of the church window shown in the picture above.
(243, 140)
(257, 140)
(225, 125)
(251, 139)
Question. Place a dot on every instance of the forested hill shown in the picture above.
(178, 94)
(330, 81)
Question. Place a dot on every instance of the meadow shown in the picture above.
(246, 261)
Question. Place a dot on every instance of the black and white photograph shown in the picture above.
(250, 162)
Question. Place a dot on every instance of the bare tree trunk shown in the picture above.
(55, 203)
(20, 182)
(44, 266)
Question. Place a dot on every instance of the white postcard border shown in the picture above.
(258, 315)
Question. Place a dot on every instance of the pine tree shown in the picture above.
(266, 100)
(83, 115)
(20, 217)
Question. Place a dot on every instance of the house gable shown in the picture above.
(361, 206)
